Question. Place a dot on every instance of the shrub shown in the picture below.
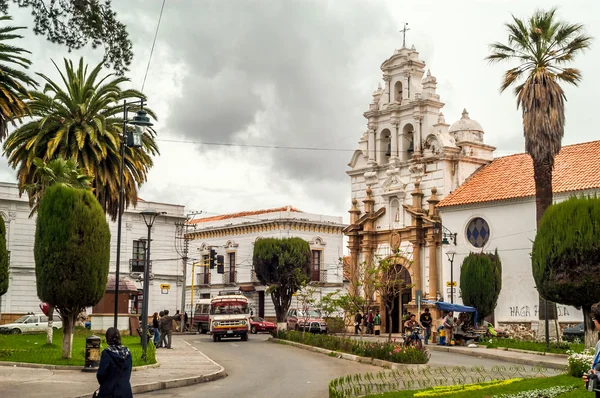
(580, 362)
(393, 352)
(481, 282)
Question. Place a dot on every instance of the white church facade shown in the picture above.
(407, 160)
(495, 209)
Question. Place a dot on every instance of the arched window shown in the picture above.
(398, 92)
(395, 216)
(478, 232)
(408, 144)
(385, 146)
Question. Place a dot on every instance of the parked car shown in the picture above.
(309, 321)
(30, 323)
(572, 333)
(258, 324)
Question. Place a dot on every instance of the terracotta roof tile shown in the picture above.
(576, 168)
(245, 214)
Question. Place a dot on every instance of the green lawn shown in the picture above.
(523, 385)
(555, 348)
(32, 348)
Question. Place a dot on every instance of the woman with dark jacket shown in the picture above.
(156, 328)
(114, 372)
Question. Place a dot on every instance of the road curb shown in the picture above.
(351, 357)
(176, 383)
(485, 353)
(65, 367)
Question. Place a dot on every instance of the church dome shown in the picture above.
(466, 129)
(465, 124)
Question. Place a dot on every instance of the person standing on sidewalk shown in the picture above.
(595, 314)
(167, 327)
(370, 322)
(156, 328)
(426, 322)
(449, 326)
(357, 322)
(377, 323)
(114, 371)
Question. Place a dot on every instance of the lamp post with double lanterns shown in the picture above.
(149, 216)
(132, 139)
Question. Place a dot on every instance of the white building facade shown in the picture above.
(167, 266)
(495, 209)
(233, 236)
(407, 160)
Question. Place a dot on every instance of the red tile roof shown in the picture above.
(248, 214)
(576, 168)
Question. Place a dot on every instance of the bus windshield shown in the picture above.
(229, 307)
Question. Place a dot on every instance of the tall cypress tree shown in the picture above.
(72, 254)
(481, 282)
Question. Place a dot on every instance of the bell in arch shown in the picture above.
(411, 146)
(389, 150)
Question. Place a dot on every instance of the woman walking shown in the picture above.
(114, 372)
(156, 328)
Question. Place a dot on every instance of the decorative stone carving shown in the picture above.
(370, 178)
(395, 240)
(12, 215)
(441, 118)
(128, 225)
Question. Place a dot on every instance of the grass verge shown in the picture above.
(517, 386)
(32, 348)
(555, 348)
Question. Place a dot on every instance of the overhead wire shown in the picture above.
(153, 44)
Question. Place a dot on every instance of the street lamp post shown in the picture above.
(450, 253)
(132, 139)
(149, 217)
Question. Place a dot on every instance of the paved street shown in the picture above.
(264, 368)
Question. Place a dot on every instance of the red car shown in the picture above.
(257, 324)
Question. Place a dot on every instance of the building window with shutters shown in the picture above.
(317, 266)
(231, 266)
(138, 256)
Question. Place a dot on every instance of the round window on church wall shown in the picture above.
(478, 232)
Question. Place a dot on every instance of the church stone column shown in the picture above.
(394, 138)
(418, 134)
(433, 247)
(416, 265)
(371, 144)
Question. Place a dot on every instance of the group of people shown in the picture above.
(370, 321)
(425, 321)
(162, 324)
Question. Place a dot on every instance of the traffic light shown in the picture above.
(220, 264)
(212, 258)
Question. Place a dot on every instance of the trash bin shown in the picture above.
(92, 353)
(442, 339)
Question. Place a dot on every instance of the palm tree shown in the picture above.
(83, 122)
(55, 171)
(12, 81)
(542, 46)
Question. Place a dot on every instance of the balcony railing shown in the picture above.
(203, 279)
(318, 275)
(230, 277)
(138, 265)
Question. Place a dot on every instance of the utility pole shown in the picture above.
(184, 258)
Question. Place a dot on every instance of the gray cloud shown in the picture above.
(277, 73)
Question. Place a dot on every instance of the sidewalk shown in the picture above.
(179, 367)
(521, 357)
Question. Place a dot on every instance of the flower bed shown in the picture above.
(580, 362)
(555, 347)
(393, 352)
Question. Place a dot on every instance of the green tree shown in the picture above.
(481, 282)
(72, 254)
(542, 47)
(3, 259)
(284, 266)
(13, 81)
(387, 281)
(566, 256)
(75, 23)
(55, 171)
(83, 122)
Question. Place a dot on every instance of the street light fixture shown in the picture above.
(149, 216)
(450, 253)
(132, 139)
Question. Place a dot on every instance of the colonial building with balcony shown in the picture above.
(231, 237)
(407, 160)
(166, 273)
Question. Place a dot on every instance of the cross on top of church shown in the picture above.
(403, 31)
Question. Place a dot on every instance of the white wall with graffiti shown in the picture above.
(508, 226)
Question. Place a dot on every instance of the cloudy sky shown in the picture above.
(249, 73)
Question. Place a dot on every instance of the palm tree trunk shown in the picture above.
(542, 174)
